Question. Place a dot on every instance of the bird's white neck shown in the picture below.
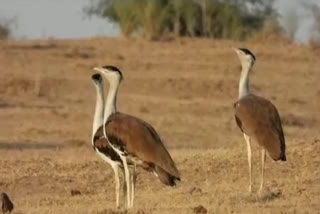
(244, 80)
(98, 114)
(111, 102)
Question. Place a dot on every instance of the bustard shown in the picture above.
(258, 119)
(99, 142)
(133, 139)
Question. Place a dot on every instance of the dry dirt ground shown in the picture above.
(186, 89)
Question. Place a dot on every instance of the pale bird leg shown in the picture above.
(263, 159)
(124, 188)
(117, 180)
(127, 178)
(133, 183)
(247, 138)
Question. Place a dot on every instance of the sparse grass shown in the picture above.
(266, 196)
(76, 143)
(186, 89)
(76, 180)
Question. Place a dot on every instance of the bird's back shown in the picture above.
(141, 141)
(258, 118)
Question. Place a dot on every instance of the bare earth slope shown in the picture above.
(186, 89)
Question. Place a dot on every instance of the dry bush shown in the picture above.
(4, 32)
(41, 45)
(270, 32)
(17, 86)
(48, 86)
(37, 85)
(6, 25)
(314, 44)
(82, 53)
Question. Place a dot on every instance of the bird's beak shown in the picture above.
(236, 50)
(97, 69)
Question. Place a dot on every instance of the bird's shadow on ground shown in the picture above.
(112, 211)
(265, 196)
(123, 211)
(28, 145)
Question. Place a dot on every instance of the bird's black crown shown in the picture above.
(113, 69)
(246, 51)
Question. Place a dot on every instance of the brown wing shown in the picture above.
(139, 140)
(259, 119)
(102, 145)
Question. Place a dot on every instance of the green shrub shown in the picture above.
(155, 18)
(152, 19)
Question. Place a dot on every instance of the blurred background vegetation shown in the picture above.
(218, 19)
(7, 25)
(315, 37)
(5, 30)
(156, 19)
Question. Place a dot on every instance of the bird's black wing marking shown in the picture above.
(239, 123)
(102, 145)
(117, 143)
(109, 152)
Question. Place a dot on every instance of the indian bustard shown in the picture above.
(258, 119)
(99, 142)
(134, 139)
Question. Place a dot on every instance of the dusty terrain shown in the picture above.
(186, 89)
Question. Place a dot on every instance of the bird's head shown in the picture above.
(110, 72)
(245, 56)
(96, 78)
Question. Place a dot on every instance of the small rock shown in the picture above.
(200, 210)
(75, 192)
(195, 190)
